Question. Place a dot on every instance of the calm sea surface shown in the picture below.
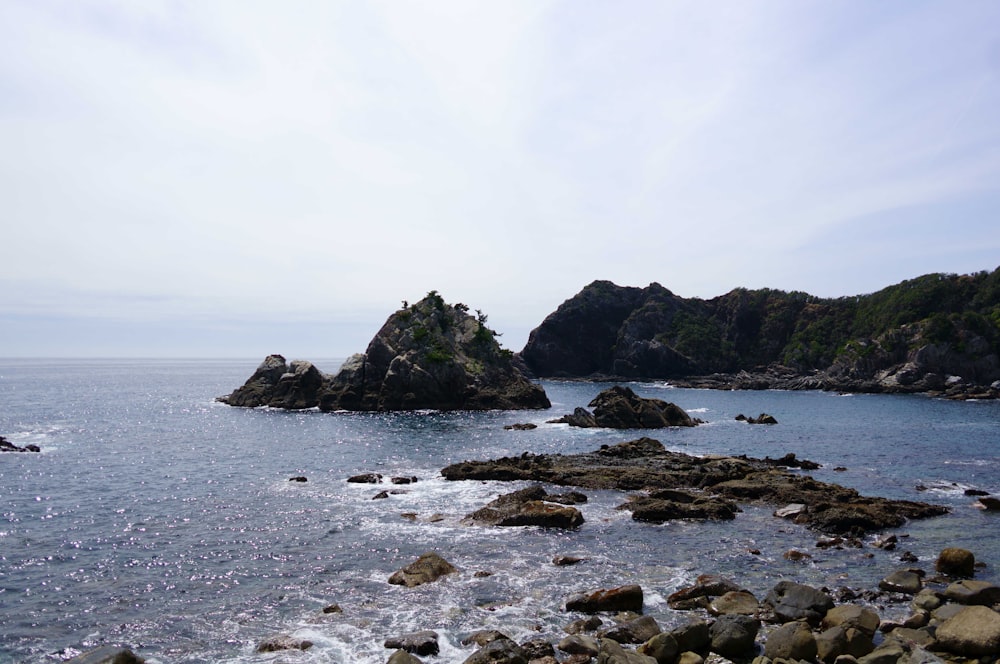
(161, 520)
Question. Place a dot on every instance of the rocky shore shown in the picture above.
(674, 485)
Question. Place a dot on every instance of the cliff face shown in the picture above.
(428, 355)
(933, 332)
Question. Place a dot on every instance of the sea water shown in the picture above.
(159, 519)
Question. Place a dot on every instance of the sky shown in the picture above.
(233, 178)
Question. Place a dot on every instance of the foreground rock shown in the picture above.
(528, 507)
(620, 408)
(645, 465)
(429, 355)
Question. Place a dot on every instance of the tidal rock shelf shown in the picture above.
(673, 484)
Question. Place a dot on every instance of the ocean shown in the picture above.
(161, 520)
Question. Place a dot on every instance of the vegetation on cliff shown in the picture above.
(914, 335)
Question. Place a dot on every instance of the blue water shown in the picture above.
(161, 520)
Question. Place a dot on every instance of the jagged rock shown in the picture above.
(637, 630)
(283, 642)
(956, 562)
(427, 568)
(432, 355)
(527, 507)
(623, 598)
(620, 408)
(794, 601)
(7, 446)
(294, 386)
(419, 643)
(763, 418)
(536, 649)
(973, 632)
(706, 585)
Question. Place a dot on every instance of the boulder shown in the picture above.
(739, 602)
(402, 657)
(427, 568)
(902, 581)
(793, 640)
(612, 653)
(623, 598)
(956, 562)
(499, 651)
(734, 636)
(989, 503)
(537, 648)
(852, 616)
(763, 418)
(579, 644)
(526, 507)
(970, 591)
(661, 647)
(419, 643)
(692, 636)
(973, 632)
(794, 601)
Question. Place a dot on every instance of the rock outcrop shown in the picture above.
(429, 355)
(713, 485)
(620, 408)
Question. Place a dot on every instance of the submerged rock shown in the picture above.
(107, 655)
(7, 446)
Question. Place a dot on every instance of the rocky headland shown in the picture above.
(428, 355)
(673, 485)
(937, 333)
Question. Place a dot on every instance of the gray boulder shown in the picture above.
(794, 601)
(734, 636)
(526, 507)
(793, 640)
(612, 653)
(970, 591)
(499, 651)
(107, 655)
(419, 643)
(623, 598)
(973, 632)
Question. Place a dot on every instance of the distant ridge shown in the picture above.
(937, 332)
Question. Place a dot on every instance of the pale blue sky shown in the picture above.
(235, 178)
